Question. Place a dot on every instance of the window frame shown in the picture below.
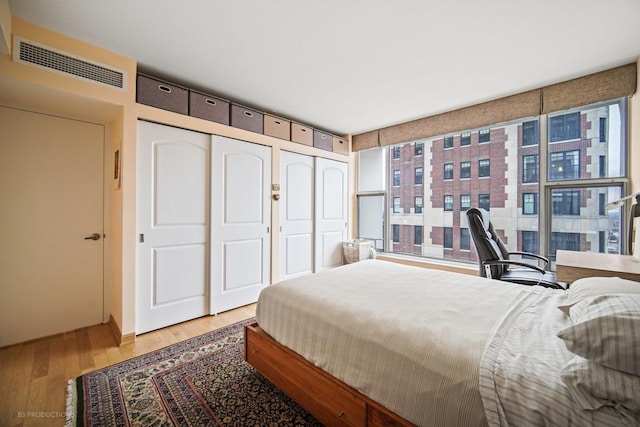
(420, 175)
(465, 170)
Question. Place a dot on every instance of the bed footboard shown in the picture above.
(330, 400)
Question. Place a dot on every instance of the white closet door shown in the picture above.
(240, 218)
(173, 226)
(331, 212)
(296, 214)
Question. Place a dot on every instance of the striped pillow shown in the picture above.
(606, 330)
(593, 386)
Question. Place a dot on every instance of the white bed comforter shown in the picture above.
(409, 338)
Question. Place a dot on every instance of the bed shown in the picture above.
(379, 343)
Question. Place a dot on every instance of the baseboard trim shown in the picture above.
(120, 339)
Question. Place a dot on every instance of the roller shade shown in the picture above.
(602, 86)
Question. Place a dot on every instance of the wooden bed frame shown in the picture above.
(331, 401)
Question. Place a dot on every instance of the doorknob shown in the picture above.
(94, 236)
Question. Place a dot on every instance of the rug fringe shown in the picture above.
(70, 410)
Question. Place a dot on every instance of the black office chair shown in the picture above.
(494, 260)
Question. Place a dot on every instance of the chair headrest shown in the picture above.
(483, 215)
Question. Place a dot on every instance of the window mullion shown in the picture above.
(544, 198)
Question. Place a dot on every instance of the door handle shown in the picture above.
(94, 236)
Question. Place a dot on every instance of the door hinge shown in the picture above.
(267, 230)
(141, 238)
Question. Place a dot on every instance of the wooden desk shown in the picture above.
(571, 266)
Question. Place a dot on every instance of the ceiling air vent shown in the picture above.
(45, 57)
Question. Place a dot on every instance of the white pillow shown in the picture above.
(593, 386)
(606, 330)
(594, 286)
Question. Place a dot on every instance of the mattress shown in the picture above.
(410, 338)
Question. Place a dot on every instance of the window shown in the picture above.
(565, 241)
(417, 235)
(465, 202)
(465, 139)
(603, 129)
(447, 238)
(448, 202)
(534, 212)
(565, 202)
(484, 168)
(484, 135)
(418, 176)
(564, 165)
(396, 152)
(464, 239)
(396, 205)
(530, 203)
(565, 127)
(396, 178)
(484, 201)
(530, 133)
(530, 168)
(530, 241)
(418, 149)
(448, 142)
(448, 171)
(417, 203)
(396, 233)
(465, 169)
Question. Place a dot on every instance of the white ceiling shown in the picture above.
(350, 66)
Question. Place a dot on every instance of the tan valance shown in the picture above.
(610, 84)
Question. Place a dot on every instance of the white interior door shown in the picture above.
(331, 212)
(240, 221)
(51, 198)
(296, 214)
(173, 226)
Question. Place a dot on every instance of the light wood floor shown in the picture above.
(34, 375)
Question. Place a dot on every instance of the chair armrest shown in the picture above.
(511, 262)
(540, 257)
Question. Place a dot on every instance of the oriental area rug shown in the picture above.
(198, 382)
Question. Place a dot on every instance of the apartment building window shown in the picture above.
(465, 139)
(448, 142)
(418, 149)
(529, 241)
(464, 239)
(564, 165)
(484, 201)
(565, 202)
(418, 176)
(396, 178)
(602, 167)
(448, 202)
(417, 235)
(565, 241)
(396, 205)
(465, 170)
(448, 171)
(484, 135)
(484, 168)
(530, 203)
(465, 202)
(447, 238)
(602, 200)
(530, 168)
(564, 127)
(417, 203)
(396, 152)
(603, 129)
(395, 233)
(530, 133)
